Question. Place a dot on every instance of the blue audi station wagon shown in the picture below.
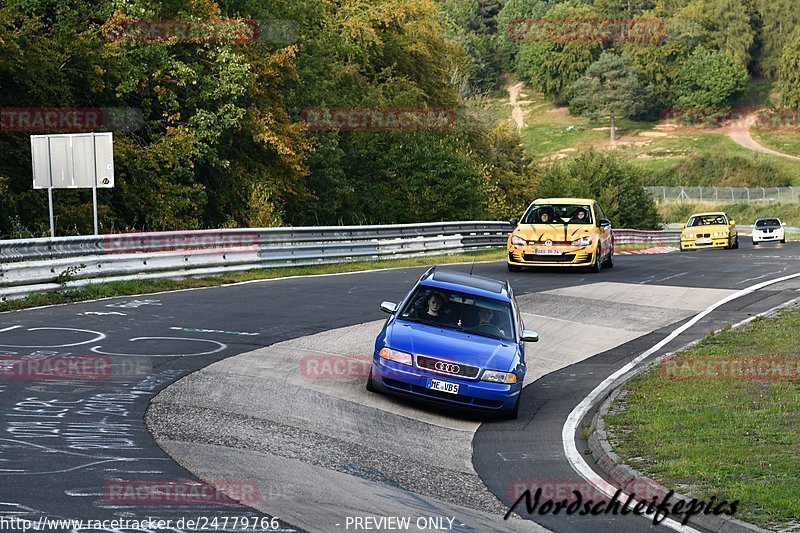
(455, 339)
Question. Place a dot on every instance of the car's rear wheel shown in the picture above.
(514, 268)
(370, 384)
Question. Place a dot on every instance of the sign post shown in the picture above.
(73, 161)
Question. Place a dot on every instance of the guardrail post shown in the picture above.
(748, 195)
(779, 194)
(701, 193)
(763, 194)
(733, 200)
(716, 194)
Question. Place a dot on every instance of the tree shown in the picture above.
(552, 65)
(708, 80)
(609, 88)
(724, 25)
(789, 78)
(779, 20)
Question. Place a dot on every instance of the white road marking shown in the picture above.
(670, 277)
(100, 336)
(96, 349)
(575, 458)
(763, 276)
(101, 313)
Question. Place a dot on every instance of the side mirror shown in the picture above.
(783, 223)
(605, 223)
(733, 222)
(514, 221)
(389, 307)
(529, 336)
(683, 226)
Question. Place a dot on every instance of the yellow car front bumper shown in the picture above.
(567, 256)
(716, 242)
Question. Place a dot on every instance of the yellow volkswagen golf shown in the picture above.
(566, 232)
(709, 230)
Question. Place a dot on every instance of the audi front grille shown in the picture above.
(448, 368)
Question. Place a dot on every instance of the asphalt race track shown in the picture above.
(321, 448)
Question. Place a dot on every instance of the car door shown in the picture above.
(605, 231)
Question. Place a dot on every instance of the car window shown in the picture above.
(706, 220)
(767, 222)
(460, 311)
(558, 214)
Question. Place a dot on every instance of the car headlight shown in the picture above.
(499, 377)
(583, 241)
(518, 241)
(687, 237)
(720, 234)
(396, 356)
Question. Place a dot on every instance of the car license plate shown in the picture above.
(703, 241)
(443, 386)
(540, 251)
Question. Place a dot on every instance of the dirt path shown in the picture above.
(516, 111)
(741, 136)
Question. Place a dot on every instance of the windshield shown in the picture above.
(706, 220)
(767, 222)
(461, 312)
(558, 214)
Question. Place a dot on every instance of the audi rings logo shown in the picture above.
(449, 368)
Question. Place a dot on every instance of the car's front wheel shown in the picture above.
(735, 243)
(597, 266)
(609, 262)
(370, 384)
(513, 413)
(755, 243)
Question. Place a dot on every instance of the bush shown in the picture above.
(708, 80)
(615, 183)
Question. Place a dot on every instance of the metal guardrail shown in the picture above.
(40, 265)
(726, 195)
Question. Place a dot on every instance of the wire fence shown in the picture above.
(726, 195)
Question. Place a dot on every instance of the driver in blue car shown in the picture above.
(485, 317)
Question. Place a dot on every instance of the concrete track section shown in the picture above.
(272, 415)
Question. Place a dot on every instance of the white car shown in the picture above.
(768, 229)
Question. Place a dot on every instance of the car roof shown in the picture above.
(714, 213)
(460, 281)
(768, 218)
(564, 201)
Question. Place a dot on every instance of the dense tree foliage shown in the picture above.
(708, 80)
(222, 140)
(789, 85)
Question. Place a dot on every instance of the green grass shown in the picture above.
(787, 142)
(733, 438)
(552, 134)
(127, 288)
(672, 212)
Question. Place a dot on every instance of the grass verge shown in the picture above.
(709, 433)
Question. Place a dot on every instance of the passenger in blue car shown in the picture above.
(436, 311)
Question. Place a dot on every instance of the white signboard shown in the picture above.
(73, 161)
